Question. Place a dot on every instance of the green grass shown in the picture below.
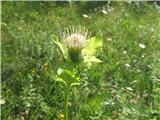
(124, 87)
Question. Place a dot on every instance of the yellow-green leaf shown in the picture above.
(92, 46)
(92, 59)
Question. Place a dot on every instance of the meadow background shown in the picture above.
(126, 86)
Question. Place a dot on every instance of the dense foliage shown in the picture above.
(125, 86)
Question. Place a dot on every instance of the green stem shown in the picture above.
(66, 103)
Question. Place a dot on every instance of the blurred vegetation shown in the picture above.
(125, 86)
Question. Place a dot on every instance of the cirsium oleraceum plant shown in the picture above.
(77, 48)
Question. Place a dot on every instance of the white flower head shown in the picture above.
(109, 39)
(127, 65)
(2, 101)
(124, 52)
(142, 45)
(104, 12)
(84, 15)
(76, 38)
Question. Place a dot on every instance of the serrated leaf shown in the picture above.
(92, 46)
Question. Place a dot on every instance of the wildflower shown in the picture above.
(2, 101)
(150, 66)
(45, 65)
(142, 46)
(127, 65)
(104, 12)
(109, 39)
(75, 41)
(61, 116)
(129, 88)
(33, 70)
(124, 52)
(84, 15)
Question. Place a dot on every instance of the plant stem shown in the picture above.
(66, 103)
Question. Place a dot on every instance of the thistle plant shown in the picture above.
(77, 48)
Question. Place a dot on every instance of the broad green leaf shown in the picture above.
(90, 51)
(92, 46)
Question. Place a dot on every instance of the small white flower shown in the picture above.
(86, 16)
(104, 12)
(124, 52)
(150, 66)
(75, 38)
(142, 45)
(109, 39)
(59, 71)
(127, 65)
(2, 101)
(129, 88)
(75, 41)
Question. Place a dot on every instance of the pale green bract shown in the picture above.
(91, 48)
(90, 51)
